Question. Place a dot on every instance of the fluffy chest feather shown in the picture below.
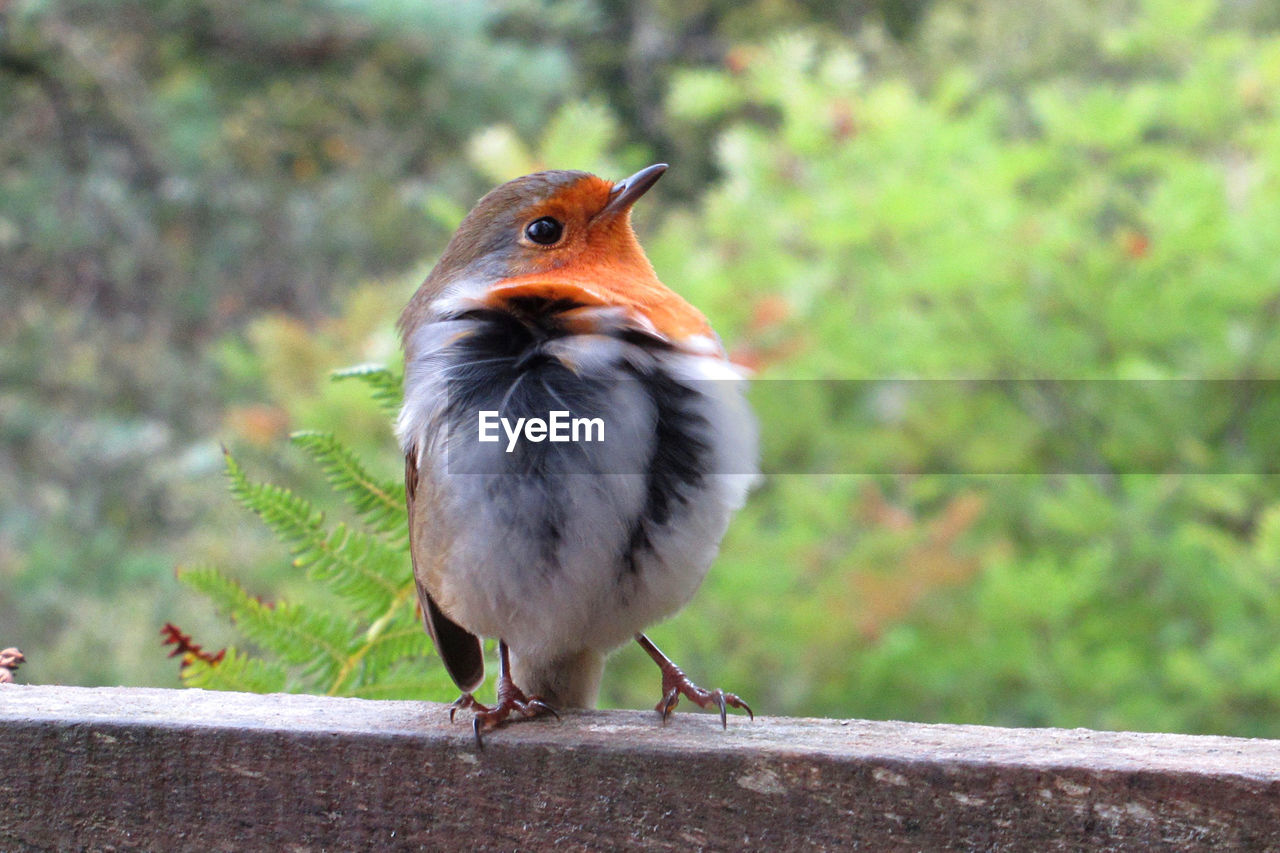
(563, 545)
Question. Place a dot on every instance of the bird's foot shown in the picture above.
(511, 700)
(486, 718)
(676, 684)
(465, 702)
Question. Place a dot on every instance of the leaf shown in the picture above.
(359, 565)
(407, 679)
(227, 595)
(406, 638)
(387, 385)
(236, 671)
(318, 641)
(186, 648)
(295, 634)
(292, 518)
(380, 504)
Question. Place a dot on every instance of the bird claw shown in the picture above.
(465, 702)
(535, 707)
(511, 700)
(676, 684)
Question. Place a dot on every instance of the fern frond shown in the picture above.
(298, 636)
(408, 679)
(301, 636)
(290, 517)
(384, 383)
(227, 595)
(354, 563)
(407, 639)
(236, 671)
(349, 673)
(359, 567)
(366, 639)
(409, 688)
(380, 504)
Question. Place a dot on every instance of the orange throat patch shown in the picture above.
(640, 294)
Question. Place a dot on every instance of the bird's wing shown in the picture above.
(459, 648)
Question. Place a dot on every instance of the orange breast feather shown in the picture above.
(604, 284)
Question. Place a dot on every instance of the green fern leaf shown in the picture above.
(355, 670)
(406, 638)
(385, 384)
(296, 635)
(408, 679)
(407, 689)
(368, 639)
(292, 518)
(380, 504)
(236, 671)
(227, 595)
(300, 636)
(358, 564)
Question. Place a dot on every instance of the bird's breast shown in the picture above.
(584, 466)
(496, 368)
(635, 291)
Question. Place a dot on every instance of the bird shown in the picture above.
(563, 550)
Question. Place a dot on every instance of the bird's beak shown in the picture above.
(625, 192)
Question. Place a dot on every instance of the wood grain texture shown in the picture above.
(129, 769)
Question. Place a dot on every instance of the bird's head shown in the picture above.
(562, 236)
(548, 221)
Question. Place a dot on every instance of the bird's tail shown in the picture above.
(569, 681)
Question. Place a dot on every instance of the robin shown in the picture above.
(544, 315)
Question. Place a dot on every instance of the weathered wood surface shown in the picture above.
(192, 770)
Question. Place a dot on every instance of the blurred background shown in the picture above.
(208, 205)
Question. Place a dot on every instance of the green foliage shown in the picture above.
(178, 176)
(362, 639)
(236, 671)
(254, 135)
(1066, 228)
(867, 228)
(385, 384)
(380, 504)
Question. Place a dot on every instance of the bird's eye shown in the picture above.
(544, 231)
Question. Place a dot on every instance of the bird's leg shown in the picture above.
(675, 683)
(510, 699)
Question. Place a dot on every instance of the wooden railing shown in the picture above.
(192, 770)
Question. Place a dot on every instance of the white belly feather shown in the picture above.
(548, 561)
